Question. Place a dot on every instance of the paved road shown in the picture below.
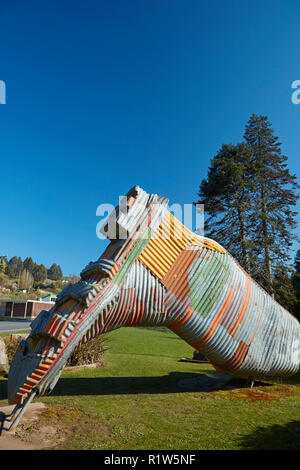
(14, 325)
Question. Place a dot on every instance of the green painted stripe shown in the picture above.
(135, 252)
(219, 262)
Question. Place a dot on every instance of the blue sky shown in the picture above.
(103, 95)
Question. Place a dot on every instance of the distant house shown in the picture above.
(48, 298)
(20, 309)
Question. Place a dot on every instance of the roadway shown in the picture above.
(14, 325)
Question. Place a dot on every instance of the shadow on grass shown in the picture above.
(114, 385)
(286, 437)
(68, 386)
(289, 380)
(124, 385)
(175, 382)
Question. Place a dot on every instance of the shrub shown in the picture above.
(91, 352)
(11, 342)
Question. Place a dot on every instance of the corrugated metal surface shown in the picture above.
(166, 244)
(162, 275)
(236, 324)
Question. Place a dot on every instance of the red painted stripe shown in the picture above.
(179, 321)
(38, 374)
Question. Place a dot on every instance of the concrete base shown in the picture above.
(9, 439)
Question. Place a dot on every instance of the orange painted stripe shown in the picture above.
(258, 323)
(169, 280)
(43, 367)
(54, 326)
(76, 314)
(49, 361)
(36, 376)
(216, 320)
(182, 264)
(61, 329)
(27, 386)
(115, 269)
(178, 322)
(18, 397)
(40, 371)
(236, 300)
(243, 309)
(31, 380)
(237, 359)
(28, 383)
(49, 324)
(183, 287)
(176, 280)
(130, 201)
(218, 369)
(58, 328)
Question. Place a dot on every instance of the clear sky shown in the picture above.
(103, 95)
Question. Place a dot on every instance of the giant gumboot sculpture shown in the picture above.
(155, 272)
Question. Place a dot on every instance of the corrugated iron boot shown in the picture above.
(155, 272)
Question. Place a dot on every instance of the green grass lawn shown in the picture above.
(8, 333)
(135, 402)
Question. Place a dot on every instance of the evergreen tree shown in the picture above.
(55, 272)
(40, 273)
(226, 195)
(275, 195)
(283, 288)
(11, 267)
(29, 264)
(14, 267)
(20, 266)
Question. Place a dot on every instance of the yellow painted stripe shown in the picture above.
(167, 242)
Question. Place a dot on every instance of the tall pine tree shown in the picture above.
(29, 264)
(249, 196)
(14, 267)
(283, 288)
(226, 195)
(40, 273)
(275, 196)
(55, 272)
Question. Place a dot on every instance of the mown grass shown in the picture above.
(136, 402)
(8, 333)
